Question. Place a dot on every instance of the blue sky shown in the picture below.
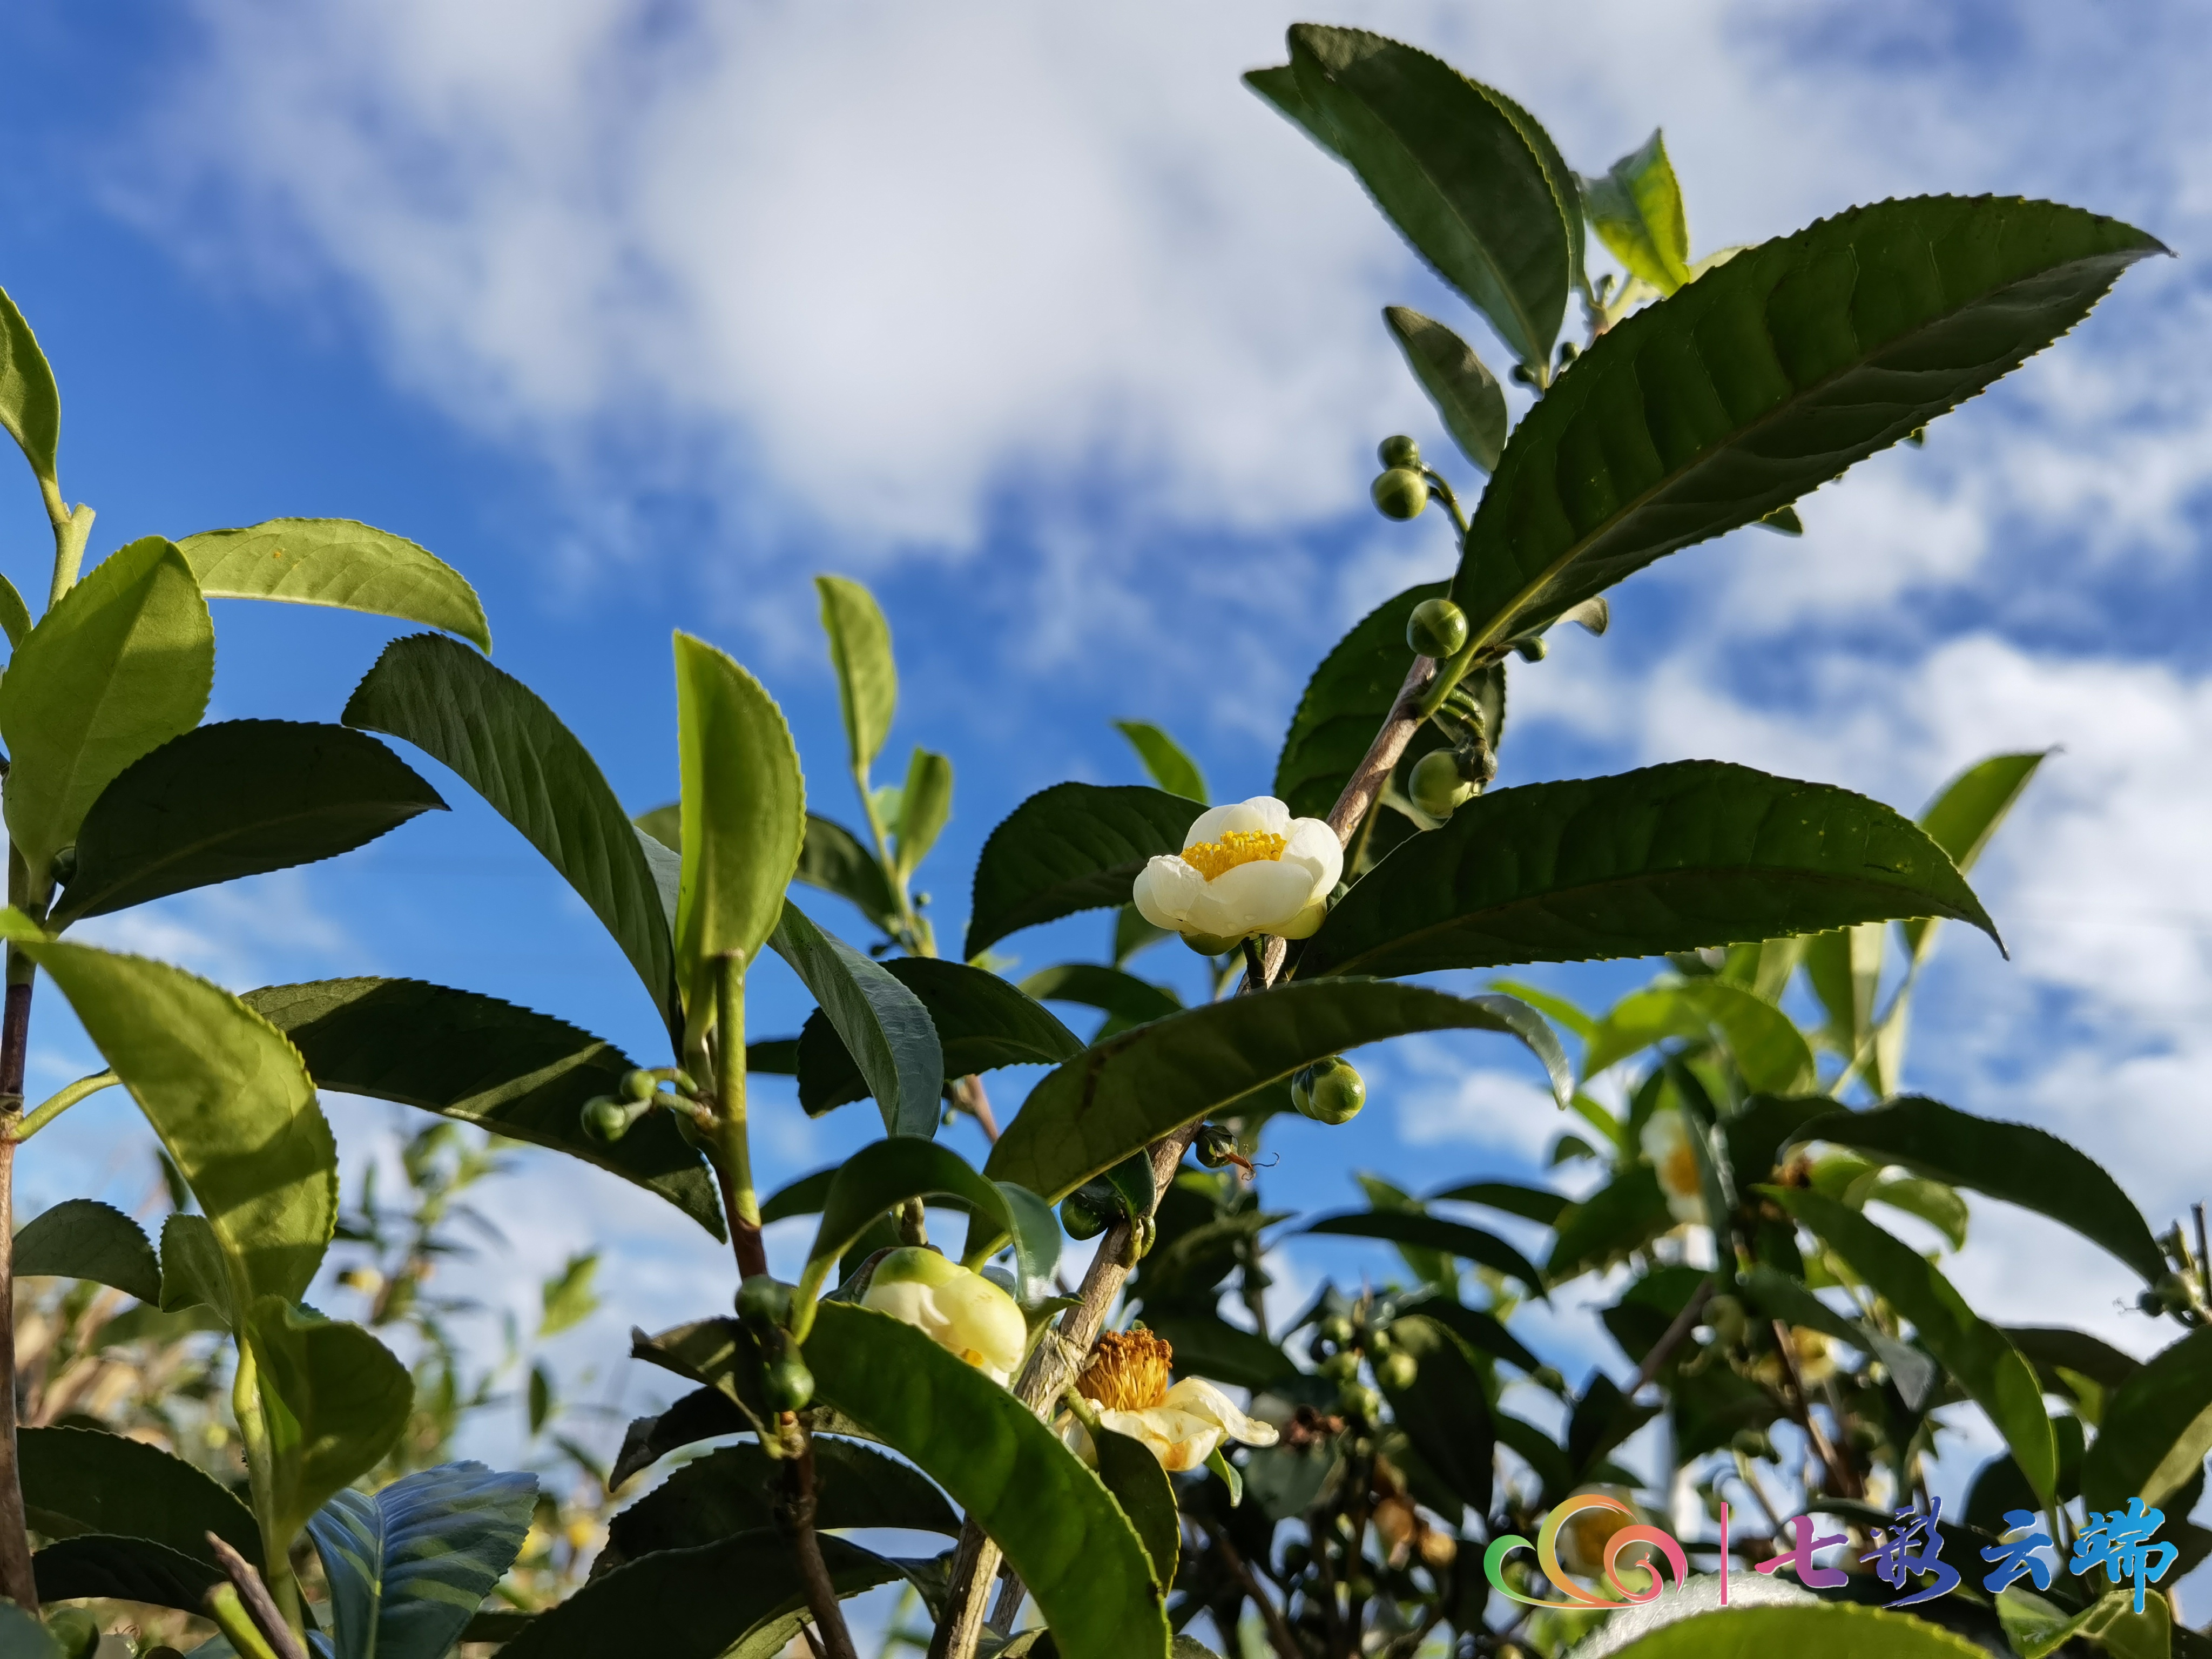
(643, 313)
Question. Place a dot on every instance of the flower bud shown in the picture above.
(959, 1310)
(1437, 628)
(1358, 1399)
(639, 1085)
(63, 868)
(1399, 452)
(74, 1631)
(1083, 1217)
(1341, 1366)
(1435, 786)
(1336, 1329)
(1400, 493)
(1397, 1371)
(1211, 944)
(789, 1385)
(606, 1119)
(1214, 1145)
(1534, 648)
(763, 1302)
(1330, 1090)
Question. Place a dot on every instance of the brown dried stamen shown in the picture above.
(1127, 1373)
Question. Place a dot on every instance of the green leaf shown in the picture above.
(1477, 1329)
(729, 1490)
(2022, 1165)
(14, 614)
(1974, 1351)
(1844, 969)
(744, 817)
(232, 799)
(1768, 1046)
(1468, 397)
(78, 1481)
(1058, 1525)
(335, 1398)
(697, 1603)
(120, 1567)
(1433, 1232)
(1088, 1114)
(1125, 998)
(567, 1299)
(1279, 87)
(193, 1272)
(508, 746)
(339, 562)
(884, 1026)
(1765, 377)
(2157, 1428)
(1668, 858)
(230, 1100)
(1535, 1204)
(1446, 1410)
(925, 804)
(832, 859)
(120, 665)
(983, 1023)
(1452, 164)
(1623, 1216)
(1208, 1346)
(1966, 813)
(861, 650)
(1829, 1630)
(30, 403)
(519, 1074)
(1133, 933)
(1073, 847)
(1164, 759)
(704, 1414)
(81, 1238)
(884, 1173)
(1636, 208)
(409, 1566)
(1131, 1472)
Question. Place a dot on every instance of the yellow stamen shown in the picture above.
(1127, 1373)
(1214, 858)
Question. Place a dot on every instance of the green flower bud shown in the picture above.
(1397, 1372)
(1435, 785)
(1437, 628)
(1727, 1317)
(1341, 1366)
(789, 1386)
(1380, 1343)
(1336, 1329)
(639, 1085)
(607, 1119)
(1358, 1399)
(63, 871)
(1399, 452)
(74, 1631)
(1534, 648)
(1401, 493)
(1082, 1219)
(1211, 944)
(1214, 1145)
(1330, 1090)
(764, 1301)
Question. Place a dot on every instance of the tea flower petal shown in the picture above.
(1667, 1143)
(1246, 868)
(959, 1310)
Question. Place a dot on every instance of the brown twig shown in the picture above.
(1846, 1482)
(1685, 1323)
(978, 1103)
(17, 1581)
(259, 1605)
(796, 1514)
(1281, 1636)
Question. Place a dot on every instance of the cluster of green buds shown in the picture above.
(1344, 1342)
(1330, 1090)
(608, 1118)
(764, 1306)
(1400, 490)
(1095, 1205)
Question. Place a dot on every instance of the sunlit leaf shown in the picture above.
(30, 403)
(1765, 1043)
(335, 1402)
(337, 562)
(884, 1026)
(1468, 399)
(861, 649)
(1636, 208)
(1164, 758)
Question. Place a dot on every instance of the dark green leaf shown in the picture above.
(1279, 87)
(1602, 1419)
(1073, 847)
(697, 1602)
(1765, 1043)
(1445, 1411)
(119, 1567)
(736, 1489)
(1133, 933)
(232, 799)
(1164, 759)
(508, 746)
(861, 650)
(776, 1056)
(885, 1027)
(1147, 1498)
(1087, 1115)
(1450, 162)
(1539, 1451)
(86, 1481)
(2157, 1428)
(81, 1239)
(925, 804)
(1479, 1330)
(1208, 1346)
(1967, 812)
(409, 1566)
(704, 1414)
(1058, 1527)
(1668, 858)
(120, 665)
(335, 1400)
(2022, 1165)
(1764, 1124)
(2051, 1347)
(1973, 1351)
(1636, 208)
(804, 1196)
(1530, 1203)
(337, 562)
(1467, 395)
(885, 1173)
(519, 1074)
(1623, 1216)
(983, 1022)
(832, 859)
(229, 1099)
(30, 403)
(1125, 998)
(1765, 377)
(1433, 1232)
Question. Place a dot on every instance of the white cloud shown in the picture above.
(1444, 1103)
